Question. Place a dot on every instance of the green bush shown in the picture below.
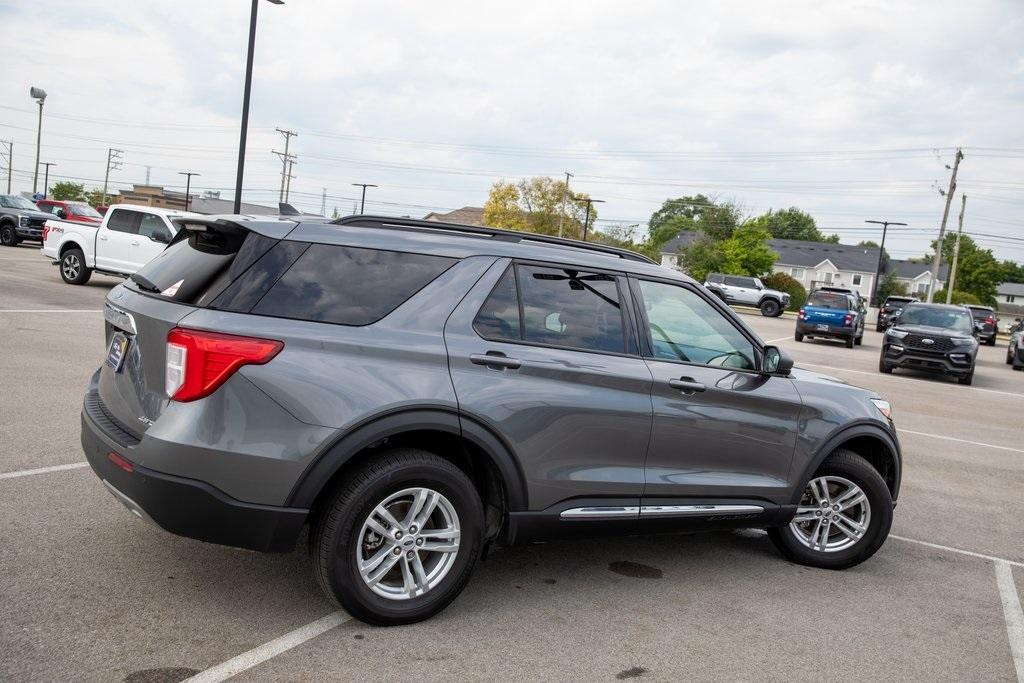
(785, 283)
(959, 297)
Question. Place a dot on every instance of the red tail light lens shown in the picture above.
(990, 320)
(198, 362)
(848, 320)
(802, 314)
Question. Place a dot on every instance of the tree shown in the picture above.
(791, 224)
(870, 244)
(67, 191)
(744, 253)
(711, 216)
(786, 283)
(619, 235)
(890, 286)
(95, 198)
(535, 205)
(702, 256)
(1011, 272)
(959, 297)
(978, 271)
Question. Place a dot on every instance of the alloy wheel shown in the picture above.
(833, 515)
(71, 266)
(408, 543)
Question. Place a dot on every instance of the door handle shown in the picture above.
(135, 243)
(495, 359)
(687, 385)
(103, 237)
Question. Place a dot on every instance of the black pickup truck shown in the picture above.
(20, 220)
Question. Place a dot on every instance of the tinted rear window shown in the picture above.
(348, 285)
(980, 313)
(829, 300)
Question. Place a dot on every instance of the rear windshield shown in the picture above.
(829, 300)
(240, 271)
(981, 313)
(896, 301)
(956, 320)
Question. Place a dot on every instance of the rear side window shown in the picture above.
(348, 285)
(715, 277)
(738, 282)
(567, 308)
(124, 220)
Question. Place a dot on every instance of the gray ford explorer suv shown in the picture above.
(418, 392)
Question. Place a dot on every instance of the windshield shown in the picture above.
(83, 209)
(834, 300)
(957, 320)
(981, 313)
(757, 281)
(12, 201)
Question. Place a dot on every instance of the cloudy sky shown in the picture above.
(849, 110)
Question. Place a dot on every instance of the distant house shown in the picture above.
(467, 215)
(819, 264)
(1010, 301)
(214, 205)
(209, 203)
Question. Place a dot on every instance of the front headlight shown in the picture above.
(883, 407)
(23, 221)
(962, 341)
(898, 334)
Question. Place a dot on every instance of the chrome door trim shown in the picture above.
(595, 512)
(697, 510)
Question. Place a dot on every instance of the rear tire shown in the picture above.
(866, 524)
(8, 236)
(345, 535)
(859, 340)
(1009, 356)
(799, 337)
(991, 342)
(72, 267)
(850, 342)
(770, 308)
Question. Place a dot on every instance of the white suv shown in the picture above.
(749, 291)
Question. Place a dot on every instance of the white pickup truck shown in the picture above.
(126, 240)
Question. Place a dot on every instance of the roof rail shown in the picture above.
(483, 231)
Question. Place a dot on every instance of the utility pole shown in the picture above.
(942, 229)
(323, 203)
(288, 177)
(565, 195)
(115, 159)
(188, 184)
(46, 178)
(148, 169)
(881, 250)
(10, 160)
(362, 203)
(586, 221)
(39, 95)
(288, 134)
(956, 250)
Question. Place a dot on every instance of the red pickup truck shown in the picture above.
(76, 212)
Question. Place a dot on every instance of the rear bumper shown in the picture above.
(188, 507)
(834, 331)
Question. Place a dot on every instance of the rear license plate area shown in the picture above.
(823, 328)
(117, 351)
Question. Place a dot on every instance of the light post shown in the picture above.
(362, 202)
(40, 96)
(881, 250)
(586, 221)
(245, 103)
(188, 184)
(46, 178)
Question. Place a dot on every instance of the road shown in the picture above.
(88, 592)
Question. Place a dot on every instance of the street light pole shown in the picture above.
(40, 96)
(245, 104)
(46, 178)
(881, 250)
(586, 221)
(362, 203)
(188, 184)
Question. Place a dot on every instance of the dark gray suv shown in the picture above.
(418, 392)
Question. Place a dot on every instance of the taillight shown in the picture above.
(802, 314)
(848, 320)
(990, 320)
(198, 362)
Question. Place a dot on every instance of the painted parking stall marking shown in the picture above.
(42, 470)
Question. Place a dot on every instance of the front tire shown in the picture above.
(884, 367)
(967, 379)
(8, 236)
(770, 308)
(843, 516)
(397, 540)
(72, 267)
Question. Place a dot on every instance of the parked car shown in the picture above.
(934, 338)
(1015, 349)
(830, 315)
(417, 391)
(76, 212)
(986, 323)
(890, 309)
(19, 220)
(748, 291)
(128, 237)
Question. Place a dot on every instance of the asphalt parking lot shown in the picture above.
(89, 592)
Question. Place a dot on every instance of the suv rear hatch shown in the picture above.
(200, 263)
(826, 308)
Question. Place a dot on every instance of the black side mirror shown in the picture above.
(61, 213)
(777, 361)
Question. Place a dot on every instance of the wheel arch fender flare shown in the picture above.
(766, 297)
(844, 435)
(333, 458)
(67, 244)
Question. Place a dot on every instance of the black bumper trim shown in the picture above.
(189, 507)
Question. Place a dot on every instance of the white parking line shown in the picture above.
(50, 310)
(258, 655)
(772, 341)
(42, 470)
(950, 438)
(905, 379)
(1013, 614)
(958, 551)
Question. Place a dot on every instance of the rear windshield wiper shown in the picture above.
(144, 283)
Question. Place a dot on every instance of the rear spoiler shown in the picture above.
(271, 227)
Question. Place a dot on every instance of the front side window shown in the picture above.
(571, 308)
(684, 327)
(152, 225)
(733, 281)
(124, 220)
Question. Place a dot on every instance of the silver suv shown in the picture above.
(747, 291)
(416, 392)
